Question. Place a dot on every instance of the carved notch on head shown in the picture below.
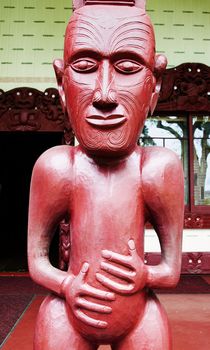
(138, 3)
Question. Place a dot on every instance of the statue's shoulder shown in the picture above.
(56, 160)
(159, 163)
(156, 154)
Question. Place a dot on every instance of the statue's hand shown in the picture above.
(76, 290)
(132, 271)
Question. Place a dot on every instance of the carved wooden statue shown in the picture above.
(107, 187)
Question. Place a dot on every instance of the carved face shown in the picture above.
(108, 77)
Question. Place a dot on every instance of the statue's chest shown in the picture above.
(109, 197)
(106, 210)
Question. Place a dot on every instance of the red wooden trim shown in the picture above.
(197, 220)
(192, 262)
(190, 162)
(14, 274)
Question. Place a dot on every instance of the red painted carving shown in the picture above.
(68, 135)
(196, 263)
(110, 2)
(138, 3)
(28, 109)
(185, 88)
(192, 262)
(107, 187)
(197, 220)
(193, 221)
(152, 259)
(64, 246)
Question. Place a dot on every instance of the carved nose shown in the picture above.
(105, 100)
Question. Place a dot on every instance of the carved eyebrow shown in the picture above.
(126, 52)
(77, 53)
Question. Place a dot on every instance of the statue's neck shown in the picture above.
(107, 160)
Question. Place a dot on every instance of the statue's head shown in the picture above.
(110, 76)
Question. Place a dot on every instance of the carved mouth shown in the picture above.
(106, 122)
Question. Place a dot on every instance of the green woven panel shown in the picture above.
(182, 29)
(31, 36)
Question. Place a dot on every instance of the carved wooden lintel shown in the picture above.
(185, 88)
(28, 109)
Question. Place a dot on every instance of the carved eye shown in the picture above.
(84, 65)
(128, 67)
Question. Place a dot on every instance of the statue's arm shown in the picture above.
(163, 190)
(49, 195)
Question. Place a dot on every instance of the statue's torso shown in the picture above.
(106, 211)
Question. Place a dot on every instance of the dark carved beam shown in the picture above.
(28, 109)
(185, 88)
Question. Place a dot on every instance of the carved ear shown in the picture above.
(58, 65)
(160, 66)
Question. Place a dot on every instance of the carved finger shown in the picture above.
(96, 293)
(132, 249)
(83, 272)
(88, 305)
(90, 321)
(131, 246)
(117, 271)
(118, 258)
(115, 286)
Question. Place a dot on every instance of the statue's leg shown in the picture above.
(53, 328)
(151, 333)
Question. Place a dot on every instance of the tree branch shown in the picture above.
(168, 128)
